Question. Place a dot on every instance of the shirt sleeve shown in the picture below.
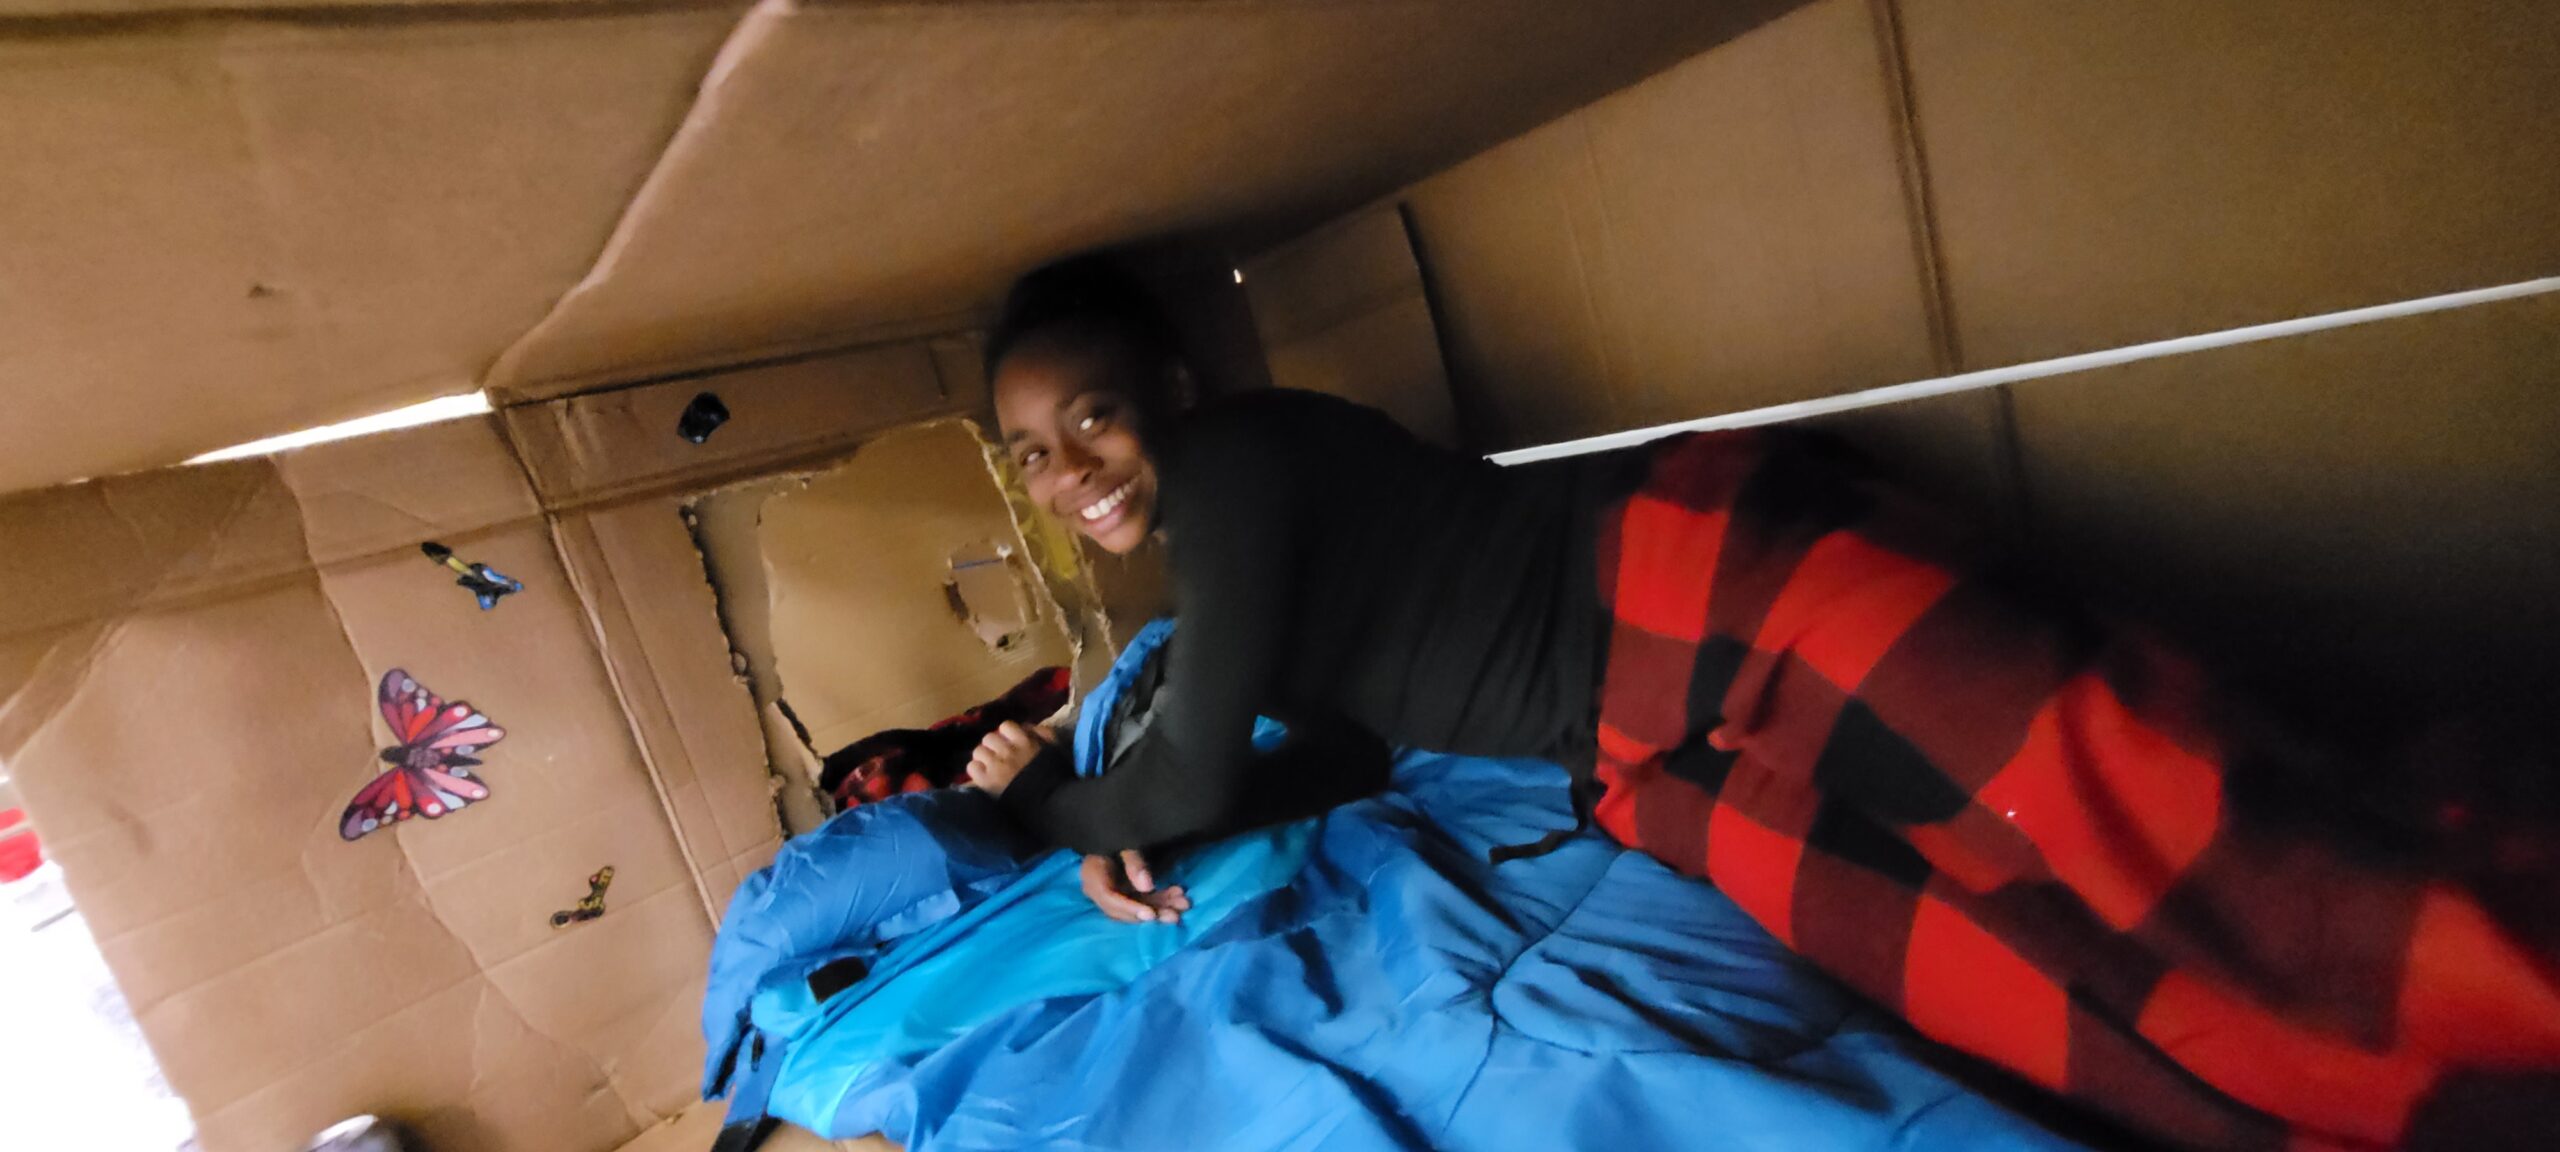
(1232, 516)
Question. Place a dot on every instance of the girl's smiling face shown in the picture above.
(1070, 421)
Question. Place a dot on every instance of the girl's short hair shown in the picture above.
(1091, 302)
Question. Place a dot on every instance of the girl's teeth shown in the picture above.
(1103, 507)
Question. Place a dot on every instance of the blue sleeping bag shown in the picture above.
(1361, 981)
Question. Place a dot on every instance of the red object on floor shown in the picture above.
(19, 852)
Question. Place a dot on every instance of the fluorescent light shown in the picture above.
(431, 412)
(1923, 389)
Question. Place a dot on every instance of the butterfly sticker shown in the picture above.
(590, 907)
(483, 581)
(430, 766)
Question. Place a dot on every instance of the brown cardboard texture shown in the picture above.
(222, 229)
(1809, 209)
(1342, 311)
(2105, 176)
(885, 168)
(229, 221)
(2373, 513)
(645, 592)
(232, 221)
(1731, 233)
(190, 723)
(724, 528)
(893, 579)
(610, 445)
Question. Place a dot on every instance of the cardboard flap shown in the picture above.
(884, 168)
(442, 482)
(220, 230)
(107, 547)
(1342, 311)
(585, 449)
(189, 704)
(646, 594)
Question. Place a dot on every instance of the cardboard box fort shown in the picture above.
(1508, 223)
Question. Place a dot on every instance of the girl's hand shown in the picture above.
(1125, 890)
(1002, 755)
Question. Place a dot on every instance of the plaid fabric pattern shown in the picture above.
(885, 764)
(2007, 821)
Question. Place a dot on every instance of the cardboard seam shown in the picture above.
(415, 879)
(1912, 159)
(1602, 338)
(778, 777)
(712, 366)
(598, 589)
(720, 831)
(792, 461)
(611, 598)
(1937, 295)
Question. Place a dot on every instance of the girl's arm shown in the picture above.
(1232, 513)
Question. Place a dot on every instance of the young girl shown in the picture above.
(1982, 809)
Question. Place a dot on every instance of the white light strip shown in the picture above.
(433, 411)
(1923, 389)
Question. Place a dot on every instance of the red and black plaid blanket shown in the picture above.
(885, 764)
(2009, 822)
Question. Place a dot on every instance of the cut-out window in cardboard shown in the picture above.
(892, 591)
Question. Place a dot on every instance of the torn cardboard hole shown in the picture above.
(891, 591)
(986, 592)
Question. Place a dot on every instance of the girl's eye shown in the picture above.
(1094, 422)
(1032, 460)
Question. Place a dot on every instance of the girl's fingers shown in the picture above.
(1101, 887)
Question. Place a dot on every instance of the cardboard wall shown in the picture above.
(2105, 177)
(220, 230)
(858, 565)
(231, 219)
(1342, 311)
(1866, 192)
(887, 168)
(188, 703)
(246, 224)
(1731, 233)
(2366, 520)
(189, 718)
